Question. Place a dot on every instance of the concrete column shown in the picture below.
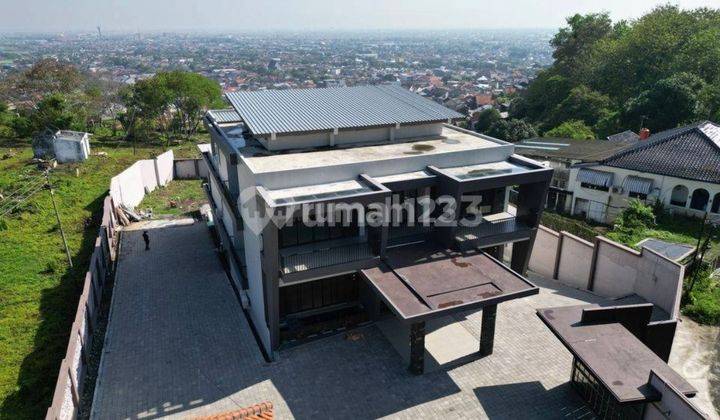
(521, 255)
(417, 348)
(487, 330)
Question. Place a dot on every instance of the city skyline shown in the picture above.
(308, 15)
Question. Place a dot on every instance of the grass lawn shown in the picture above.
(38, 290)
(177, 198)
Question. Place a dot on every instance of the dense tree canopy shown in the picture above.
(511, 130)
(573, 129)
(658, 71)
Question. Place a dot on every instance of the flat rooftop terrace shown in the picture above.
(451, 140)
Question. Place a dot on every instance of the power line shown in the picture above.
(17, 203)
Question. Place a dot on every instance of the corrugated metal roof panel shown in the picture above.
(303, 110)
(593, 177)
(638, 184)
(224, 115)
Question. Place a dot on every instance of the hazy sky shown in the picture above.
(240, 15)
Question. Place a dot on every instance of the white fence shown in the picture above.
(130, 186)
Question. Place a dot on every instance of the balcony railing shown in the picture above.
(495, 227)
(323, 254)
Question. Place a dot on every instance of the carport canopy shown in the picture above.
(422, 281)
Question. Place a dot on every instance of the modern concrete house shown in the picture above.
(282, 159)
(678, 167)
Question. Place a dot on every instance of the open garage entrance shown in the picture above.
(321, 307)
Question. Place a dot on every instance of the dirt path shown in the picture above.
(696, 356)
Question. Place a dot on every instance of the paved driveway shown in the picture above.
(178, 344)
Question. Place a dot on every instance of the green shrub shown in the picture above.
(637, 216)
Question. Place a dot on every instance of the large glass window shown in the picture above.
(299, 233)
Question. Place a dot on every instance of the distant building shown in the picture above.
(561, 154)
(64, 146)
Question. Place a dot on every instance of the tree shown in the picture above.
(192, 95)
(668, 103)
(56, 113)
(486, 118)
(573, 129)
(575, 41)
(660, 70)
(512, 130)
(584, 104)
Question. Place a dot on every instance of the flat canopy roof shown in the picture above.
(307, 110)
(424, 280)
(450, 140)
(612, 353)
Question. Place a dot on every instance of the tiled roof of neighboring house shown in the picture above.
(262, 411)
(691, 152)
(308, 110)
(626, 135)
(571, 149)
(224, 115)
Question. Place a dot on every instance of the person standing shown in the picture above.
(146, 238)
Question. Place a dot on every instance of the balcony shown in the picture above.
(495, 229)
(325, 258)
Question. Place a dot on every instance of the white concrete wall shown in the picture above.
(186, 169)
(545, 250)
(164, 164)
(672, 404)
(129, 186)
(71, 151)
(616, 269)
(343, 172)
(575, 260)
(256, 292)
(659, 280)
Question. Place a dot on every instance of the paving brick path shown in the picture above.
(178, 344)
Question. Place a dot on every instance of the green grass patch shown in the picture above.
(177, 198)
(38, 290)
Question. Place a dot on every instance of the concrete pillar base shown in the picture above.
(487, 331)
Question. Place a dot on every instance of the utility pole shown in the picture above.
(48, 185)
(697, 263)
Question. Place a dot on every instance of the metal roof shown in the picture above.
(593, 177)
(306, 110)
(222, 116)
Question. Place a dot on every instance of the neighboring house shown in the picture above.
(678, 167)
(562, 153)
(63, 145)
(278, 153)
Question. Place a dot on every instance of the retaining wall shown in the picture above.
(608, 268)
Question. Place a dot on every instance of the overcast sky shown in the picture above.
(243, 15)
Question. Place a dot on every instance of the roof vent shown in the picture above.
(644, 133)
